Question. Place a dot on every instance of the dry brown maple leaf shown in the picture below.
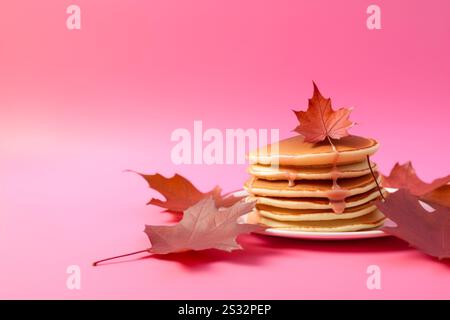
(320, 121)
(181, 194)
(427, 231)
(404, 176)
(203, 227)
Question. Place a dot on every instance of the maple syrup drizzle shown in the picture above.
(291, 178)
(336, 196)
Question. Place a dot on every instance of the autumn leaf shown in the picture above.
(181, 194)
(203, 227)
(320, 121)
(427, 231)
(439, 195)
(404, 176)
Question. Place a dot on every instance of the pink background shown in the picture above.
(79, 107)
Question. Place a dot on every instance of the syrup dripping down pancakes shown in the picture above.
(315, 186)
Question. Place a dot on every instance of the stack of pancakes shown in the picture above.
(315, 186)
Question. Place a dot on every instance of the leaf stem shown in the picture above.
(96, 263)
(332, 144)
(374, 178)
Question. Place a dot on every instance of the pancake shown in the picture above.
(309, 188)
(368, 221)
(295, 151)
(281, 214)
(316, 203)
(293, 173)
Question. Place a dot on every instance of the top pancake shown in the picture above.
(295, 151)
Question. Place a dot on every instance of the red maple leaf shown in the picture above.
(439, 195)
(404, 176)
(320, 121)
(425, 230)
(181, 194)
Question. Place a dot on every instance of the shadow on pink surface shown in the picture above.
(376, 245)
(355, 246)
(258, 248)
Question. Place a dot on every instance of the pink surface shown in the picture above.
(78, 107)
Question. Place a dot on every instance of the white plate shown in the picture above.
(350, 235)
(307, 235)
